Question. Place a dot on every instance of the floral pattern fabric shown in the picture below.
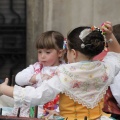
(85, 82)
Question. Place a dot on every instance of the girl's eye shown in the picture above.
(48, 52)
(39, 52)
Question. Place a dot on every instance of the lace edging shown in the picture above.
(84, 103)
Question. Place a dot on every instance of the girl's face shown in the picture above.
(49, 57)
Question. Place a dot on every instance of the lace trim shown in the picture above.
(84, 103)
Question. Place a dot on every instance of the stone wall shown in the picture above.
(64, 15)
(34, 27)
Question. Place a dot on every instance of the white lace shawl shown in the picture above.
(86, 82)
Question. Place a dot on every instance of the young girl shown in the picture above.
(83, 82)
(50, 55)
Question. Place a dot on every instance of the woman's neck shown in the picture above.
(82, 57)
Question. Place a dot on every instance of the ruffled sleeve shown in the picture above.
(112, 62)
(37, 96)
(23, 77)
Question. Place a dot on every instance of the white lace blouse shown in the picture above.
(85, 82)
(23, 77)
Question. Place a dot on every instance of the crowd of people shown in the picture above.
(72, 88)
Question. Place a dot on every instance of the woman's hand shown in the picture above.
(112, 42)
(3, 85)
(107, 29)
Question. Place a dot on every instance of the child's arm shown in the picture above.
(34, 78)
(33, 96)
(22, 78)
(28, 75)
(39, 78)
(114, 45)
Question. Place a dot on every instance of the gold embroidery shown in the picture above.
(75, 111)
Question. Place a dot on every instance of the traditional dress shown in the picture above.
(115, 88)
(23, 78)
(82, 86)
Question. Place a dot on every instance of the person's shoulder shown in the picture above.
(112, 54)
(67, 66)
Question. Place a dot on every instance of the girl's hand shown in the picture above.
(2, 85)
(107, 29)
(33, 79)
(45, 77)
(51, 112)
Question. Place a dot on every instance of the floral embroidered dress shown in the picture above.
(22, 79)
(83, 84)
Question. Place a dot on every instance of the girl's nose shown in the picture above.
(43, 55)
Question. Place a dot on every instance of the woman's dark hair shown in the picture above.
(50, 40)
(94, 41)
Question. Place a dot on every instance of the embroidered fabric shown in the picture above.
(45, 73)
(85, 82)
(87, 89)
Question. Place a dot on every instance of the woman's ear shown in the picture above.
(74, 53)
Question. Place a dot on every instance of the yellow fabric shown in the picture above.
(72, 110)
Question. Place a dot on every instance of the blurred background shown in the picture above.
(22, 21)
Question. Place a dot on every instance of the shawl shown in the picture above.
(85, 82)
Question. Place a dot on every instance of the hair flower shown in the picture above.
(84, 33)
(64, 44)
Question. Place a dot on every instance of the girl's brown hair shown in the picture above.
(50, 40)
